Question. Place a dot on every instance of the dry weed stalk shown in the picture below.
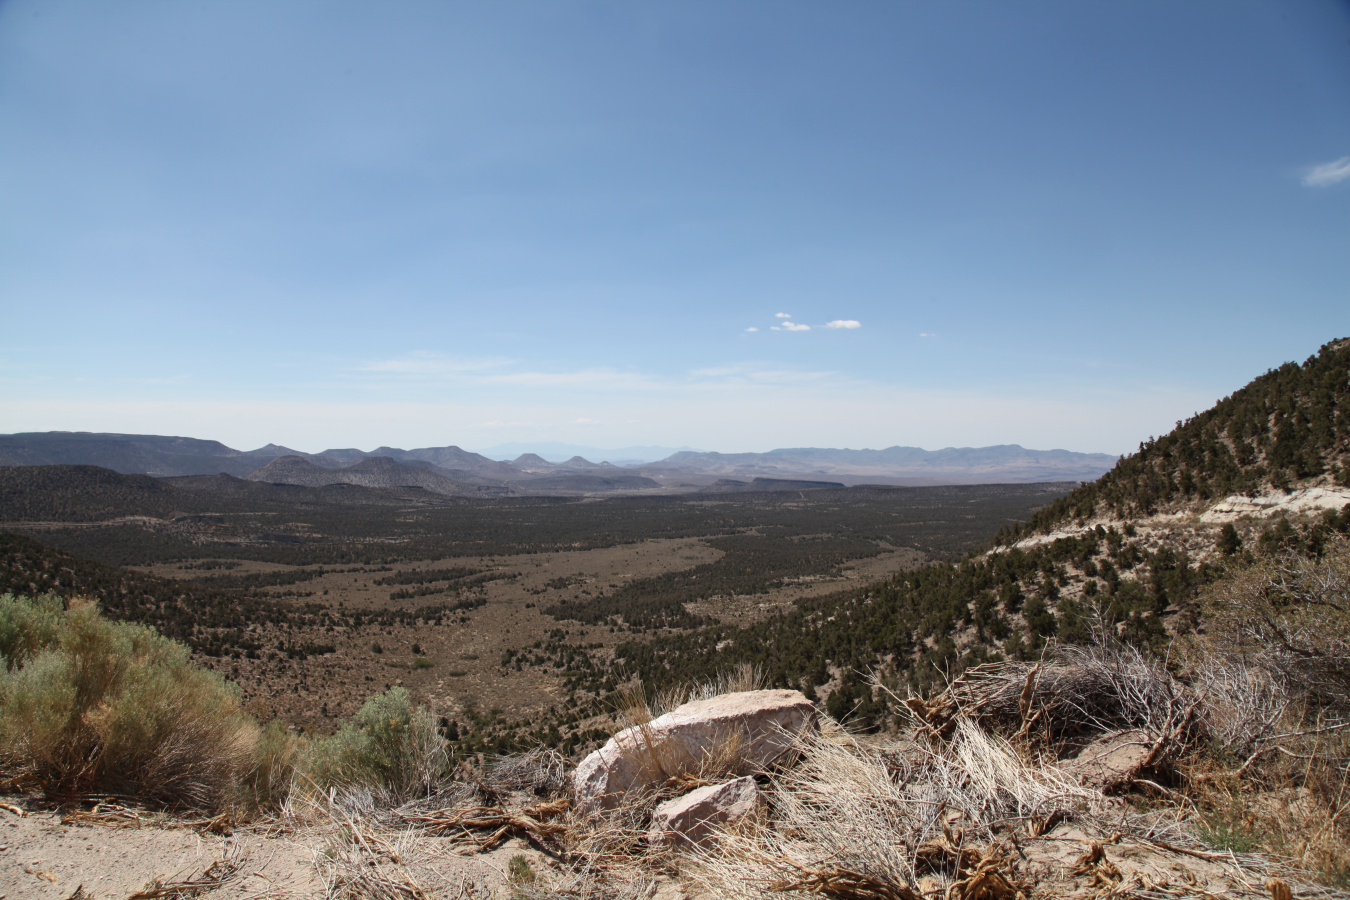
(1244, 705)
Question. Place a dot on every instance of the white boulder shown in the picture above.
(694, 817)
(733, 733)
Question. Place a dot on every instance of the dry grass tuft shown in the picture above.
(541, 771)
(852, 816)
(359, 865)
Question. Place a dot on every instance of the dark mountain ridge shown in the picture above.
(373, 471)
(451, 457)
(588, 483)
(130, 454)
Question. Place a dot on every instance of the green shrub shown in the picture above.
(390, 745)
(26, 627)
(1228, 833)
(519, 870)
(93, 707)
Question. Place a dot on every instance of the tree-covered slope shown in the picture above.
(1290, 424)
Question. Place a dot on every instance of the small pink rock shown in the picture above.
(694, 817)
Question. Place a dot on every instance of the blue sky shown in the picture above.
(342, 224)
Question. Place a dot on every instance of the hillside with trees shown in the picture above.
(1287, 427)
(1116, 561)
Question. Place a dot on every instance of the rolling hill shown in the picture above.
(88, 494)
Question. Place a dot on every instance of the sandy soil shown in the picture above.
(43, 857)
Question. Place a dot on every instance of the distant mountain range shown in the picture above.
(557, 451)
(1005, 463)
(452, 471)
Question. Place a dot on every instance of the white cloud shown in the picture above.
(1328, 174)
(844, 323)
(752, 328)
(926, 334)
(774, 328)
(783, 315)
(793, 326)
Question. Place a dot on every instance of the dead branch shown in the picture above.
(461, 825)
(218, 874)
(843, 884)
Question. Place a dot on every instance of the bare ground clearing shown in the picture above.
(459, 666)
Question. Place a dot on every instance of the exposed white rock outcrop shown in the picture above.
(1266, 505)
(740, 733)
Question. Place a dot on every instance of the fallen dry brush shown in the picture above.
(1072, 692)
